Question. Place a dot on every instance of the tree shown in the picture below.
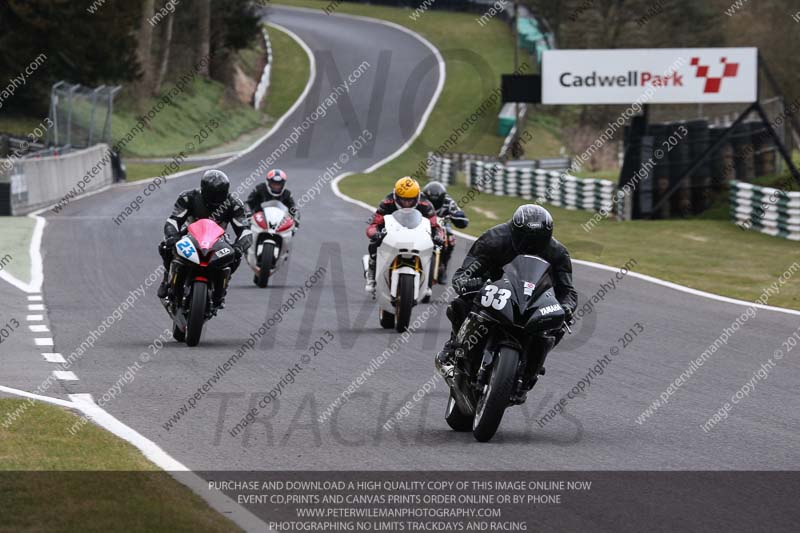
(144, 49)
(204, 35)
(79, 46)
(166, 46)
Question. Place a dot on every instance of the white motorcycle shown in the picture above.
(273, 228)
(402, 267)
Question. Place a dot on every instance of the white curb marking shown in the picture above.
(39, 328)
(43, 341)
(35, 307)
(65, 375)
(34, 318)
(53, 357)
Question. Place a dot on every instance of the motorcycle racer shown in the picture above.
(530, 232)
(212, 200)
(448, 211)
(274, 188)
(406, 194)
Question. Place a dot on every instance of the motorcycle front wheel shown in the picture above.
(405, 302)
(494, 398)
(266, 264)
(197, 313)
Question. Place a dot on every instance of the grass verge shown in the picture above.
(178, 127)
(91, 481)
(707, 254)
(290, 72)
(15, 238)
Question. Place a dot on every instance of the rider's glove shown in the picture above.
(171, 241)
(238, 251)
(464, 286)
(379, 235)
(567, 314)
(437, 240)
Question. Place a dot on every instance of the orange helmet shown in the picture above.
(406, 192)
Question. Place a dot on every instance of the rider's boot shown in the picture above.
(370, 287)
(443, 274)
(163, 289)
(217, 302)
(445, 359)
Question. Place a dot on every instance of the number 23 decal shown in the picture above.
(186, 248)
(488, 299)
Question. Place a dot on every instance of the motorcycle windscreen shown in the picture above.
(274, 203)
(508, 299)
(206, 233)
(408, 218)
(531, 277)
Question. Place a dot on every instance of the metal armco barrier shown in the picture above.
(766, 210)
(36, 182)
(552, 187)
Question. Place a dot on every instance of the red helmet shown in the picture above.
(276, 182)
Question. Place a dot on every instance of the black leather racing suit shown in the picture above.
(449, 210)
(260, 194)
(491, 252)
(190, 207)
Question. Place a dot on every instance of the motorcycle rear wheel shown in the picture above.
(494, 399)
(457, 420)
(405, 302)
(197, 313)
(267, 263)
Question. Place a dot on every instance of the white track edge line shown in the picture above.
(216, 500)
(437, 92)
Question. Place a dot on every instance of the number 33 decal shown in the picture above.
(488, 299)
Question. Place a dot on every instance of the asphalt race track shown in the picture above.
(92, 264)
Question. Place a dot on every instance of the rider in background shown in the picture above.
(273, 188)
(447, 209)
(213, 201)
(406, 194)
(529, 232)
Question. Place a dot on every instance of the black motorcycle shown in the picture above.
(199, 277)
(502, 346)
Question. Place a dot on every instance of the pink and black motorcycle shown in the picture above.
(198, 279)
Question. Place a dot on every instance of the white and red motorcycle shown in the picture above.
(402, 267)
(273, 228)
